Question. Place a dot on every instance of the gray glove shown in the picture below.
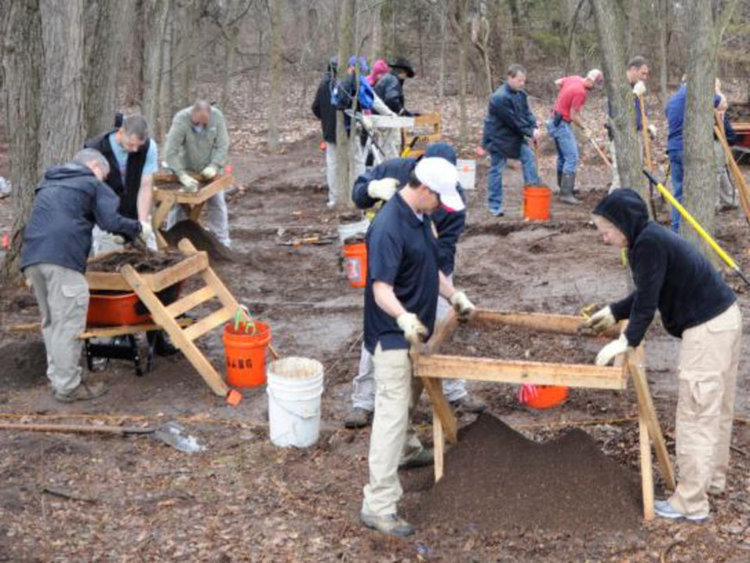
(188, 182)
(146, 231)
(382, 189)
(601, 320)
(414, 331)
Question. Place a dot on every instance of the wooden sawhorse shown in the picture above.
(431, 367)
(167, 198)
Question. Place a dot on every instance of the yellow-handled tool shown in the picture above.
(693, 223)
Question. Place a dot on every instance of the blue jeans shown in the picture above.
(495, 176)
(567, 149)
(675, 161)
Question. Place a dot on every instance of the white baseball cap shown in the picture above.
(441, 177)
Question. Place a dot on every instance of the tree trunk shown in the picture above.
(23, 70)
(346, 46)
(274, 114)
(458, 23)
(662, 10)
(230, 48)
(104, 55)
(699, 184)
(154, 21)
(609, 18)
(443, 17)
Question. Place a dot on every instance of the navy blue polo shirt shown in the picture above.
(402, 251)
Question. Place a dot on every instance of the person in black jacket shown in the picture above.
(508, 127)
(378, 185)
(390, 89)
(326, 113)
(696, 305)
(56, 243)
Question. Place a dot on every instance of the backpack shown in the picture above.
(341, 98)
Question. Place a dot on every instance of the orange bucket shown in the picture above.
(246, 355)
(115, 309)
(355, 261)
(548, 396)
(536, 203)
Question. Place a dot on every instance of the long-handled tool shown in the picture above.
(739, 180)
(601, 152)
(693, 223)
(644, 131)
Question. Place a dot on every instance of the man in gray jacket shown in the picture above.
(71, 199)
(197, 143)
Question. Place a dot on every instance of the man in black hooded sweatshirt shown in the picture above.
(697, 306)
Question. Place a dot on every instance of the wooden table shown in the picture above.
(431, 367)
(167, 198)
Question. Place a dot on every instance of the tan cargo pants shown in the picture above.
(393, 439)
(63, 297)
(709, 358)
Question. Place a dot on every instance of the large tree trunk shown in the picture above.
(459, 25)
(23, 69)
(609, 18)
(343, 164)
(104, 56)
(662, 11)
(699, 185)
(154, 21)
(43, 62)
(274, 114)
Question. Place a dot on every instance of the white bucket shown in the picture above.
(467, 173)
(294, 389)
(353, 229)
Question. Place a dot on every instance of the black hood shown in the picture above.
(66, 171)
(626, 210)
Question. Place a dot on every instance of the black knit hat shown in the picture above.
(404, 64)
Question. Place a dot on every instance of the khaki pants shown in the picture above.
(726, 190)
(392, 439)
(709, 358)
(63, 297)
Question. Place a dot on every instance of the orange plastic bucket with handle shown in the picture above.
(548, 396)
(246, 354)
(536, 201)
(355, 261)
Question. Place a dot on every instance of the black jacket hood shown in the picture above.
(65, 172)
(626, 210)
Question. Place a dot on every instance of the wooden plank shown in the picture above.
(107, 281)
(191, 301)
(208, 323)
(438, 445)
(444, 330)
(178, 272)
(634, 362)
(442, 408)
(647, 473)
(518, 372)
(206, 192)
(543, 322)
(188, 348)
(195, 211)
(112, 331)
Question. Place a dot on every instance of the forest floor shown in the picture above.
(76, 497)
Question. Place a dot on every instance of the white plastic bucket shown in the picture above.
(353, 229)
(294, 389)
(467, 173)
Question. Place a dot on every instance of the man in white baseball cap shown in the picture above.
(403, 284)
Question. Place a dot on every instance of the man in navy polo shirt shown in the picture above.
(403, 285)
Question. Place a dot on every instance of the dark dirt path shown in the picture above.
(243, 499)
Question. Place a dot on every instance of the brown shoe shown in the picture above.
(469, 403)
(84, 392)
(358, 418)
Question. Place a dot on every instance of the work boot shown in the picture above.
(84, 392)
(390, 524)
(358, 418)
(566, 189)
(423, 458)
(665, 509)
(468, 403)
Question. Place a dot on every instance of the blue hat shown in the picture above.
(363, 68)
(442, 150)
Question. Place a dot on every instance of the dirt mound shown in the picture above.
(24, 364)
(517, 343)
(203, 240)
(495, 478)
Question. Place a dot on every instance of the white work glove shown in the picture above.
(639, 89)
(367, 121)
(209, 172)
(382, 189)
(651, 130)
(462, 305)
(146, 231)
(587, 134)
(188, 182)
(611, 350)
(601, 320)
(414, 331)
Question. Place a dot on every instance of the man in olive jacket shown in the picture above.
(508, 126)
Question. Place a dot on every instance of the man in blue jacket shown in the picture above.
(508, 126)
(71, 199)
(697, 306)
(378, 185)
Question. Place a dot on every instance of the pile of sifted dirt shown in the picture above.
(495, 478)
